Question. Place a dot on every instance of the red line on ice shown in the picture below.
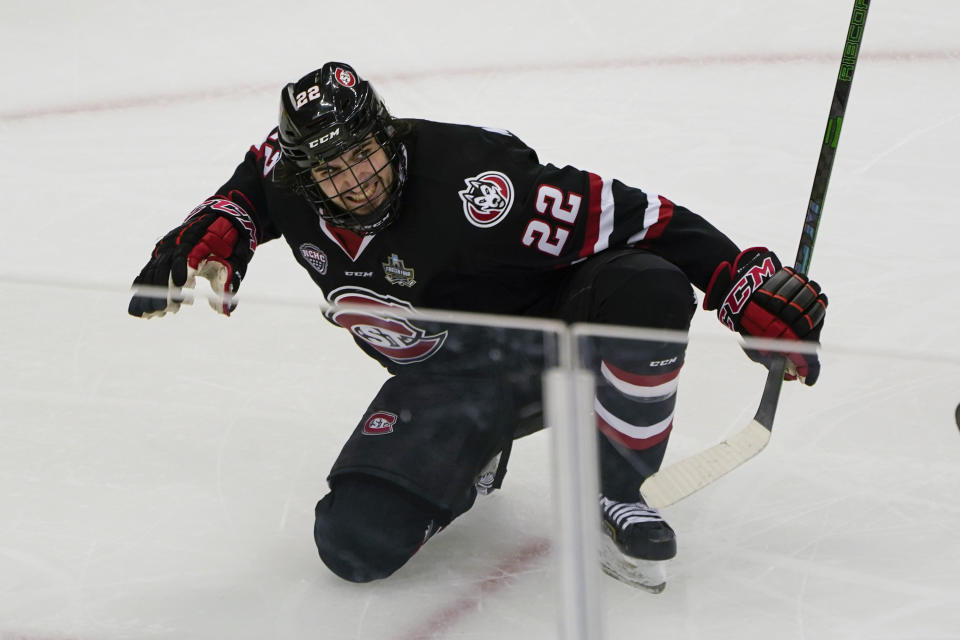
(6, 635)
(721, 59)
(499, 577)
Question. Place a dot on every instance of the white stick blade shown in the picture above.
(683, 478)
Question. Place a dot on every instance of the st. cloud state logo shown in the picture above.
(344, 77)
(379, 423)
(394, 336)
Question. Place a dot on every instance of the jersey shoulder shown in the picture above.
(469, 141)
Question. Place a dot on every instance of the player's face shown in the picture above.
(358, 180)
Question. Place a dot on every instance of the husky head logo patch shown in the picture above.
(487, 198)
(314, 257)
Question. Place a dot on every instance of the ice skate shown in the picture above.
(636, 545)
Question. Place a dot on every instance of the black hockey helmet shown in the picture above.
(333, 128)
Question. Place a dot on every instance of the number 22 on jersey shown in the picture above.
(550, 235)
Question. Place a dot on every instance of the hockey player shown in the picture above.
(403, 213)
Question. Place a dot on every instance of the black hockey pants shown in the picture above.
(379, 511)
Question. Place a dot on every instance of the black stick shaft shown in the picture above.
(821, 180)
(828, 150)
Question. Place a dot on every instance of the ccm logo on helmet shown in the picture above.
(324, 138)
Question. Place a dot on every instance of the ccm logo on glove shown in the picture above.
(750, 281)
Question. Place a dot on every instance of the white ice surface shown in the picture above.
(157, 478)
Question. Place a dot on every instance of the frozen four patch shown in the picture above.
(397, 272)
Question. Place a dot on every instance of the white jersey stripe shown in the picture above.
(630, 430)
(650, 217)
(606, 217)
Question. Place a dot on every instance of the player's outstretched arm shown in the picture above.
(758, 298)
(215, 242)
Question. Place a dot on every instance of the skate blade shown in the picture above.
(648, 575)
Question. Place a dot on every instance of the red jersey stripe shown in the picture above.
(594, 208)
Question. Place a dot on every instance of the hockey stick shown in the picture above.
(687, 476)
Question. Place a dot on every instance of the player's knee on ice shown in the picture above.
(367, 528)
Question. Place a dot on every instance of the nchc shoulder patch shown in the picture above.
(315, 257)
(487, 198)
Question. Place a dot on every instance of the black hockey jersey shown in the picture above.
(483, 226)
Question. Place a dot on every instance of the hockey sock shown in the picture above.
(634, 406)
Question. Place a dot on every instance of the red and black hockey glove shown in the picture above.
(215, 242)
(760, 299)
